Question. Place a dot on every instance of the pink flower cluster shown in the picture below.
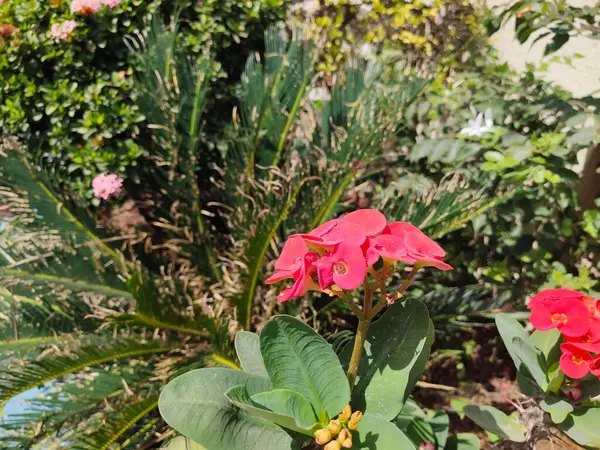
(62, 31)
(577, 317)
(337, 255)
(89, 7)
(107, 186)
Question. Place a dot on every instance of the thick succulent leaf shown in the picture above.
(376, 433)
(557, 408)
(528, 359)
(284, 401)
(463, 441)
(196, 406)
(297, 358)
(583, 427)
(533, 361)
(547, 342)
(247, 347)
(395, 352)
(495, 421)
(294, 414)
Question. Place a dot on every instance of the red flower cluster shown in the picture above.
(577, 317)
(336, 255)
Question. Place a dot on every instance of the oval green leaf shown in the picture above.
(298, 359)
(583, 427)
(495, 421)
(393, 360)
(247, 347)
(195, 405)
(376, 433)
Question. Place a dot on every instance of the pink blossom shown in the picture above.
(63, 30)
(86, 7)
(345, 267)
(371, 220)
(573, 391)
(426, 446)
(107, 185)
(110, 3)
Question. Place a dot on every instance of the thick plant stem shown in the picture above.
(359, 342)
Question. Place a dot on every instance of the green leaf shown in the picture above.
(527, 359)
(195, 405)
(495, 421)
(556, 377)
(409, 412)
(284, 401)
(548, 342)
(297, 358)
(558, 409)
(247, 347)
(463, 441)
(532, 360)
(294, 413)
(395, 353)
(440, 423)
(376, 433)
(419, 430)
(582, 426)
(183, 443)
(556, 43)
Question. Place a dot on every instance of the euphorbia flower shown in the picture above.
(552, 295)
(335, 232)
(400, 229)
(345, 267)
(369, 251)
(590, 341)
(573, 390)
(371, 220)
(574, 362)
(63, 31)
(294, 262)
(570, 316)
(424, 251)
(595, 366)
(110, 3)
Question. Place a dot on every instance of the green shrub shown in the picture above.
(69, 101)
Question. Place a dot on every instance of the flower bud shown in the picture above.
(335, 427)
(353, 422)
(346, 413)
(345, 439)
(333, 445)
(323, 436)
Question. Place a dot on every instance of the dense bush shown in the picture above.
(69, 100)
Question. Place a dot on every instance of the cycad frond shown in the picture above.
(116, 424)
(440, 208)
(22, 377)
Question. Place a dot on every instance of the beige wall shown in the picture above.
(582, 80)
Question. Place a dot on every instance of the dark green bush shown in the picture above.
(69, 101)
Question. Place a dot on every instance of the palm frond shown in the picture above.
(24, 376)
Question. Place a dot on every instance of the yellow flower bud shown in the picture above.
(345, 414)
(345, 439)
(335, 427)
(322, 436)
(353, 422)
(347, 443)
(333, 445)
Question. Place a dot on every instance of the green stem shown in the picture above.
(359, 343)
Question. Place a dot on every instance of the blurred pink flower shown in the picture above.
(426, 446)
(107, 185)
(63, 31)
(110, 3)
(86, 7)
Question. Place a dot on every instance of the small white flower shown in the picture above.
(364, 10)
(318, 94)
(367, 50)
(477, 127)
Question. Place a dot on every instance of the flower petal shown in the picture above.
(292, 254)
(371, 220)
(350, 267)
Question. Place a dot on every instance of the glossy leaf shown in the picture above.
(463, 441)
(247, 347)
(548, 342)
(495, 421)
(583, 427)
(297, 358)
(377, 433)
(419, 430)
(559, 409)
(294, 413)
(395, 353)
(195, 405)
(440, 424)
(183, 443)
(532, 360)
